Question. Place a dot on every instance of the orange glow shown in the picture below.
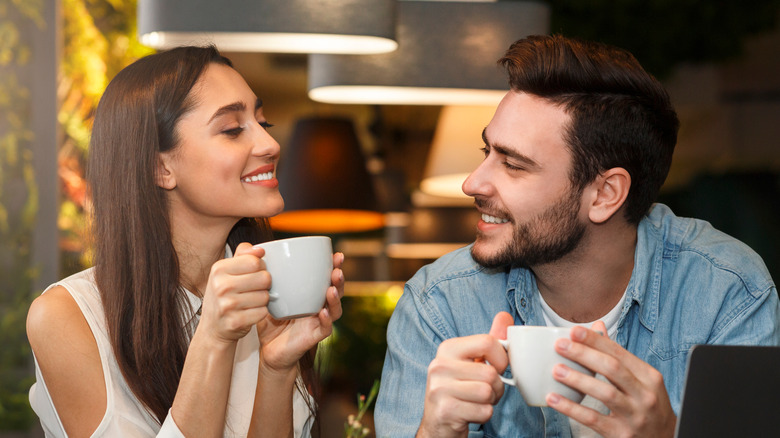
(327, 221)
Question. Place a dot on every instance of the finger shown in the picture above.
(602, 343)
(338, 260)
(337, 280)
(474, 391)
(617, 401)
(247, 248)
(599, 327)
(334, 303)
(605, 363)
(237, 265)
(586, 416)
(475, 347)
(501, 321)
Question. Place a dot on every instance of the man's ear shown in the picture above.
(611, 190)
(164, 176)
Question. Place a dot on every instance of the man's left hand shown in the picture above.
(634, 392)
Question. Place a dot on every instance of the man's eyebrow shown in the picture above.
(509, 152)
(229, 108)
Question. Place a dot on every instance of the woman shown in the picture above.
(169, 333)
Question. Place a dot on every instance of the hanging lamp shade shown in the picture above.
(455, 150)
(324, 181)
(287, 26)
(447, 53)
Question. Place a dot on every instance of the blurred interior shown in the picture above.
(725, 168)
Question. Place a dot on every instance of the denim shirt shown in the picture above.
(691, 284)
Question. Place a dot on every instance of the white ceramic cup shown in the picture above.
(300, 269)
(532, 357)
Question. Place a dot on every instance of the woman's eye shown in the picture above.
(266, 125)
(235, 132)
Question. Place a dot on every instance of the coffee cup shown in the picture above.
(532, 356)
(300, 269)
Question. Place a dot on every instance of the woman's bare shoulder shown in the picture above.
(69, 360)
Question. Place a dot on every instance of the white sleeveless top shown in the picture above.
(125, 415)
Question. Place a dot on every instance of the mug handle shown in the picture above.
(504, 343)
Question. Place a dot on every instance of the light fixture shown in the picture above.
(455, 150)
(447, 53)
(432, 232)
(324, 181)
(288, 26)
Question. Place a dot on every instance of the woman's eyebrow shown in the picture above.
(229, 108)
(258, 104)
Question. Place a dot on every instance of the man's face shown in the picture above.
(530, 212)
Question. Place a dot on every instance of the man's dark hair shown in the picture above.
(621, 116)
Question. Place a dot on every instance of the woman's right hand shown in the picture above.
(236, 295)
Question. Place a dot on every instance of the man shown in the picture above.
(574, 158)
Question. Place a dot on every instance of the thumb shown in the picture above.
(247, 248)
(501, 321)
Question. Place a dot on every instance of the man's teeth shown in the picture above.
(260, 177)
(493, 220)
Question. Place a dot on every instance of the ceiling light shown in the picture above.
(285, 26)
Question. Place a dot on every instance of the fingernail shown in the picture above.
(563, 343)
(560, 371)
(257, 246)
(553, 398)
(578, 333)
(600, 332)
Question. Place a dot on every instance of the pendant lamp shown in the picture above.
(324, 181)
(447, 53)
(455, 150)
(286, 26)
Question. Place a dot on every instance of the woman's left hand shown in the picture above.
(284, 342)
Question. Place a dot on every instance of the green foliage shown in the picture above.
(353, 428)
(18, 211)
(99, 40)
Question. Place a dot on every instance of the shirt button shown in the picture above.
(522, 302)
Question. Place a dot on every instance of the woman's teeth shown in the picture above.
(493, 220)
(260, 177)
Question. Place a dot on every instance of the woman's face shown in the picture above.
(223, 168)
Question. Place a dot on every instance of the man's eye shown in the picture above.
(485, 150)
(511, 166)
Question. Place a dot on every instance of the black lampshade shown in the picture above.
(324, 181)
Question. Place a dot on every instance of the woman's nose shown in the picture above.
(264, 143)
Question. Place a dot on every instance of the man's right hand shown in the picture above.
(463, 382)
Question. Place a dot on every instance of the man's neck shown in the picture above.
(587, 283)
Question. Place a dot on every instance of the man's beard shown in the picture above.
(543, 239)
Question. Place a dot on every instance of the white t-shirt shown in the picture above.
(125, 416)
(610, 321)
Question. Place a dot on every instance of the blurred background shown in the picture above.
(377, 170)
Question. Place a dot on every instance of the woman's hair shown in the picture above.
(621, 116)
(136, 265)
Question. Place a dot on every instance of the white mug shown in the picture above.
(532, 357)
(300, 269)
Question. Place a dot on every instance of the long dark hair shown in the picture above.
(136, 266)
(621, 116)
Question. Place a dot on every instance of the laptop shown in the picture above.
(731, 391)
